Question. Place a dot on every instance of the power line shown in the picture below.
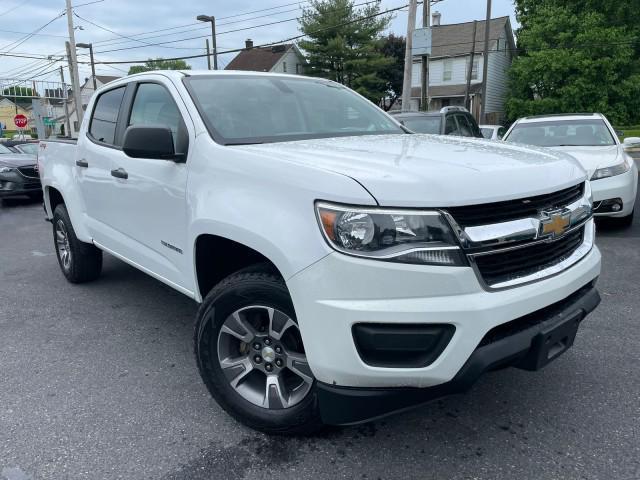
(13, 8)
(124, 36)
(296, 37)
(225, 32)
(19, 42)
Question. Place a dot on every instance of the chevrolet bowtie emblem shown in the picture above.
(554, 224)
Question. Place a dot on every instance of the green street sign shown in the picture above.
(49, 122)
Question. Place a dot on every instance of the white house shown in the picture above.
(449, 64)
(285, 58)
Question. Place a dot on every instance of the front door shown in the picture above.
(149, 195)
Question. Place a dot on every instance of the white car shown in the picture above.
(591, 139)
(492, 132)
(345, 267)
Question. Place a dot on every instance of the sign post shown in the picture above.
(21, 122)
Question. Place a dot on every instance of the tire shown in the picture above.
(249, 295)
(83, 261)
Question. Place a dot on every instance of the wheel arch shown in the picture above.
(216, 257)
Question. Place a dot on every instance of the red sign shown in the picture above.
(20, 121)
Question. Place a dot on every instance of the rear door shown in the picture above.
(93, 163)
(148, 207)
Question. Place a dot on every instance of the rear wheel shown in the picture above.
(251, 356)
(79, 261)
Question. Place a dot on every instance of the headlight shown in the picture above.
(614, 170)
(5, 169)
(405, 236)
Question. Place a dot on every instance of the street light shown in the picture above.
(93, 67)
(212, 19)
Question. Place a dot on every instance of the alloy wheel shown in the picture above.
(261, 354)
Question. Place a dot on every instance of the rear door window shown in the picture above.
(464, 126)
(105, 116)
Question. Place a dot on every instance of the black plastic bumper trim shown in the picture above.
(350, 405)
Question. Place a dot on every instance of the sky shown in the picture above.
(107, 23)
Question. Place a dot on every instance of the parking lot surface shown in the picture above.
(98, 381)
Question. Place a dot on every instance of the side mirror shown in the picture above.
(631, 142)
(143, 141)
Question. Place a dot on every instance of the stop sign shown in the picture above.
(20, 121)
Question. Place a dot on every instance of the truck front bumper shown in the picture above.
(529, 342)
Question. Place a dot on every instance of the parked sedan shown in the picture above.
(591, 139)
(446, 121)
(18, 174)
(492, 132)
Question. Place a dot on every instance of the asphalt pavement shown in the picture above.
(98, 381)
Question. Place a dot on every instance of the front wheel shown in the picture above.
(251, 356)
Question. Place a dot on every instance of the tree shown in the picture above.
(344, 44)
(393, 47)
(576, 56)
(160, 64)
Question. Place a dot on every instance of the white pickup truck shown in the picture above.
(346, 268)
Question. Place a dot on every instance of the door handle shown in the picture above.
(82, 163)
(120, 173)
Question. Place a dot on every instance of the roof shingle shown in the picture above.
(258, 59)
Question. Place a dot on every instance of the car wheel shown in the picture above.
(251, 356)
(79, 261)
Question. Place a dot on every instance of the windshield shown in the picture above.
(30, 148)
(423, 124)
(4, 149)
(562, 133)
(251, 109)
(487, 132)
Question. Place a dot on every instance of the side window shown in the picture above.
(153, 105)
(501, 132)
(105, 116)
(464, 126)
(450, 126)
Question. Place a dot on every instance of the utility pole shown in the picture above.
(208, 55)
(424, 73)
(470, 71)
(211, 19)
(73, 65)
(65, 103)
(485, 63)
(408, 57)
(93, 65)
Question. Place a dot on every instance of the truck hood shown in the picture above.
(433, 170)
(17, 160)
(592, 158)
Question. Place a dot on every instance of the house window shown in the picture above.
(284, 67)
(447, 71)
(474, 70)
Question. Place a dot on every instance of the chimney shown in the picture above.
(435, 19)
(248, 44)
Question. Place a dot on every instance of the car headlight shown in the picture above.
(614, 170)
(5, 169)
(406, 236)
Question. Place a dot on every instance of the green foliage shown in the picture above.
(579, 56)
(392, 47)
(160, 64)
(344, 44)
(17, 91)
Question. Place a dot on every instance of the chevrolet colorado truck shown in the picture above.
(345, 267)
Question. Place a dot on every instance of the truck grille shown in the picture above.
(29, 171)
(505, 265)
(484, 214)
